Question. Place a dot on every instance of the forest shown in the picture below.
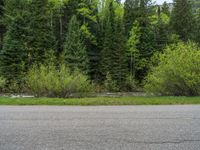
(58, 47)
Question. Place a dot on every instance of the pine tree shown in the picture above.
(165, 9)
(182, 19)
(41, 38)
(87, 16)
(108, 45)
(197, 27)
(120, 67)
(75, 53)
(57, 11)
(147, 43)
(2, 26)
(13, 56)
(131, 13)
(161, 31)
(114, 61)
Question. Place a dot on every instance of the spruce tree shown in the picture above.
(108, 45)
(2, 26)
(131, 13)
(165, 9)
(75, 53)
(162, 33)
(197, 27)
(58, 21)
(182, 19)
(41, 39)
(120, 67)
(13, 56)
(87, 16)
(147, 44)
(113, 54)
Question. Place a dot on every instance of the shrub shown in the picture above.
(2, 83)
(110, 84)
(177, 73)
(130, 84)
(57, 82)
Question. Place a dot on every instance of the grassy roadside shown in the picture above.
(101, 101)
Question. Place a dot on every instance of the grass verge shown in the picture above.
(101, 101)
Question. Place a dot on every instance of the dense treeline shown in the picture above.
(115, 44)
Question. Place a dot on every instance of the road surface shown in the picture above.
(100, 128)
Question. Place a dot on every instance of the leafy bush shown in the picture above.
(130, 84)
(2, 83)
(57, 82)
(110, 84)
(177, 73)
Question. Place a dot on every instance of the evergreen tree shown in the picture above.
(41, 38)
(75, 53)
(113, 53)
(87, 16)
(147, 43)
(58, 21)
(141, 11)
(120, 67)
(2, 26)
(13, 56)
(134, 9)
(197, 27)
(182, 19)
(108, 47)
(161, 31)
(165, 9)
(131, 12)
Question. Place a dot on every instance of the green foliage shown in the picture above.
(165, 9)
(141, 11)
(40, 37)
(197, 28)
(110, 84)
(28, 38)
(98, 37)
(182, 19)
(178, 72)
(2, 83)
(54, 81)
(130, 84)
(86, 10)
(13, 56)
(2, 27)
(161, 30)
(133, 52)
(74, 49)
(113, 54)
(134, 9)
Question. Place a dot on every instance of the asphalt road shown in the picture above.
(100, 128)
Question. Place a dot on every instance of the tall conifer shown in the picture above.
(41, 39)
(75, 53)
(182, 19)
(13, 56)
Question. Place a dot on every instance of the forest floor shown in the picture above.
(101, 101)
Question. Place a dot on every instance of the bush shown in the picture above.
(110, 84)
(2, 83)
(130, 84)
(57, 82)
(178, 72)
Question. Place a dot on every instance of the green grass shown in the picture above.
(101, 101)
